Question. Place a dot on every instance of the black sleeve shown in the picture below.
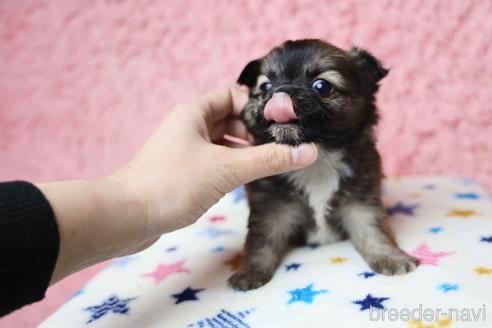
(29, 245)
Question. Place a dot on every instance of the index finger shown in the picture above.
(222, 103)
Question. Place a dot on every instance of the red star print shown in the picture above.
(427, 256)
(164, 270)
(217, 218)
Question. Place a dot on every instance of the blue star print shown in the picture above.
(218, 249)
(371, 301)
(367, 274)
(468, 195)
(189, 294)
(292, 266)
(225, 319)
(78, 293)
(123, 261)
(402, 209)
(213, 232)
(313, 245)
(305, 294)
(486, 239)
(171, 249)
(238, 194)
(435, 230)
(466, 181)
(447, 287)
(112, 304)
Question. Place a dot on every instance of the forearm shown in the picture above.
(96, 222)
(29, 244)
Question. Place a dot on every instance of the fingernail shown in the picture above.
(304, 154)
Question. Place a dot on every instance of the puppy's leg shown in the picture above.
(365, 227)
(269, 236)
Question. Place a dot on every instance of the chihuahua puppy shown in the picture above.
(309, 91)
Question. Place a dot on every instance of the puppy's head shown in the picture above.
(331, 93)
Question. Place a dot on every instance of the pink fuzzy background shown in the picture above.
(83, 83)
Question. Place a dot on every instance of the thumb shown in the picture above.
(252, 163)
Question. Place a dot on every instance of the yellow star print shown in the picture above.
(436, 324)
(483, 270)
(461, 213)
(338, 259)
(235, 262)
(414, 194)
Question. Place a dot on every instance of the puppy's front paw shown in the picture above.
(249, 279)
(394, 264)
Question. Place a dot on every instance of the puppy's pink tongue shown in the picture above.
(280, 109)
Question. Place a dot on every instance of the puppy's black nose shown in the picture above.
(279, 108)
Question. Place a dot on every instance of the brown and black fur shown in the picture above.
(284, 208)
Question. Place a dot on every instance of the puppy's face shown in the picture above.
(331, 90)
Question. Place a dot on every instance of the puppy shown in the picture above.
(310, 91)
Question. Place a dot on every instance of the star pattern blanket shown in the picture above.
(181, 281)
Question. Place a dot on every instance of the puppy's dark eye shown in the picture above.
(322, 87)
(265, 87)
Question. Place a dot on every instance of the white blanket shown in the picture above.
(181, 281)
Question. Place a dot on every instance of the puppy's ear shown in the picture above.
(250, 73)
(370, 68)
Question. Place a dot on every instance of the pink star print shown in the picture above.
(427, 256)
(164, 270)
(217, 218)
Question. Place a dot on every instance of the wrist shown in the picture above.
(123, 217)
(94, 222)
(153, 203)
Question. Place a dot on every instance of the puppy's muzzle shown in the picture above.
(279, 109)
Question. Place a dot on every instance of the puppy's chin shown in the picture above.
(286, 133)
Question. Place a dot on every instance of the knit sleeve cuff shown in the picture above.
(29, 245)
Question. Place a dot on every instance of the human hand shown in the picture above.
(183, 169)
(186, 166)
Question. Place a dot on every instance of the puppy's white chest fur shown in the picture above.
(319, 182)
